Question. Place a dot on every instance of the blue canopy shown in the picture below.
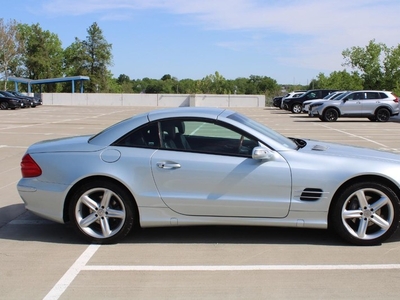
(29, 82)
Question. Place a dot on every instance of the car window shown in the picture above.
(206, 137)
(146, 137)
(190, 135)
(355, 96)
(383, 95)
(373, 95)
(311, 95)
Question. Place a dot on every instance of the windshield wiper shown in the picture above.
(299, 142)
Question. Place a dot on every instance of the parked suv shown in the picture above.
(334, 95)
(295, 104)
(375, 105)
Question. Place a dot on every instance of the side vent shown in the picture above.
(311, 194)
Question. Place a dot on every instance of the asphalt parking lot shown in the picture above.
(40, 259)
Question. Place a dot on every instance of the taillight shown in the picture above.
(396, 99)
(29, 168)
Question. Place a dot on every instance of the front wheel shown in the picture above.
(102, 212)
(366, 214)
(330, 115)
(296, 108)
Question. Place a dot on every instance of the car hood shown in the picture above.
(70, 144)
(346, 151)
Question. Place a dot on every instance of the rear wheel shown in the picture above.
(366, 213)
(330, 115)
(382, 115)
(102, 212)
(296, 108)
(3, 105)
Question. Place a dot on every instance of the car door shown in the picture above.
(216, 176)
(352, 104)
(371, 102)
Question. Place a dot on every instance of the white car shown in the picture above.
(334, 95)
(374, 105)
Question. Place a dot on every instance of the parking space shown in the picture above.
(41, 259)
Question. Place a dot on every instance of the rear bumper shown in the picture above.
(43, 198)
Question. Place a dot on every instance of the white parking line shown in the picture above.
(72, 272)
(244, 268)
(353, 135)
(81, 265)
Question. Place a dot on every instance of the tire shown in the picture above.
(366, 214)
(102, 212)
(3, 105)
(297, 108)
(382, 115)
(330, 115)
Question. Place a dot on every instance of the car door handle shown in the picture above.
(165, 165)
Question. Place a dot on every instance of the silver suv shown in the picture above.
(375, 105)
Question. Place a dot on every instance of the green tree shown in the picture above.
(214, 84)
(262, 85)
(11, 48)
(368, 61)
(90, 57)
(43, 54)
(240, 85)
(187, 86)
(391, 65)
(341, 80)
(125, 83)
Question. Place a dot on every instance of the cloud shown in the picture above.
(310, 33)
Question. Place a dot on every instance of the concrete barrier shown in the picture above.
(153, 100)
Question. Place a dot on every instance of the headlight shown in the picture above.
(315, 105)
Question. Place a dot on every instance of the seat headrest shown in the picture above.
(180, 126)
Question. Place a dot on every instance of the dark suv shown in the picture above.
(295, 104)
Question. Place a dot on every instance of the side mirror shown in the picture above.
(261, 153)
(345, 100)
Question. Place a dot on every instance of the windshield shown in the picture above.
(264, 130)
(341, 96)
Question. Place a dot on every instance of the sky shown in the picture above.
(291, 41)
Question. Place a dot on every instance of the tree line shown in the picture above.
(29, 51)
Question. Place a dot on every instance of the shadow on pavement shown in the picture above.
(28, 227)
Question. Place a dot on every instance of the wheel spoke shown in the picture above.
(89, 202)
(105, 227)
(113, 213)
(361, 198)
(105, 202)
(380, 222)
(351, 214)
(362, 228)
(380, 203)
(89, 220)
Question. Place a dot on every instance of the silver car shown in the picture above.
(198, 166)
(334, 95)
(375, 105)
